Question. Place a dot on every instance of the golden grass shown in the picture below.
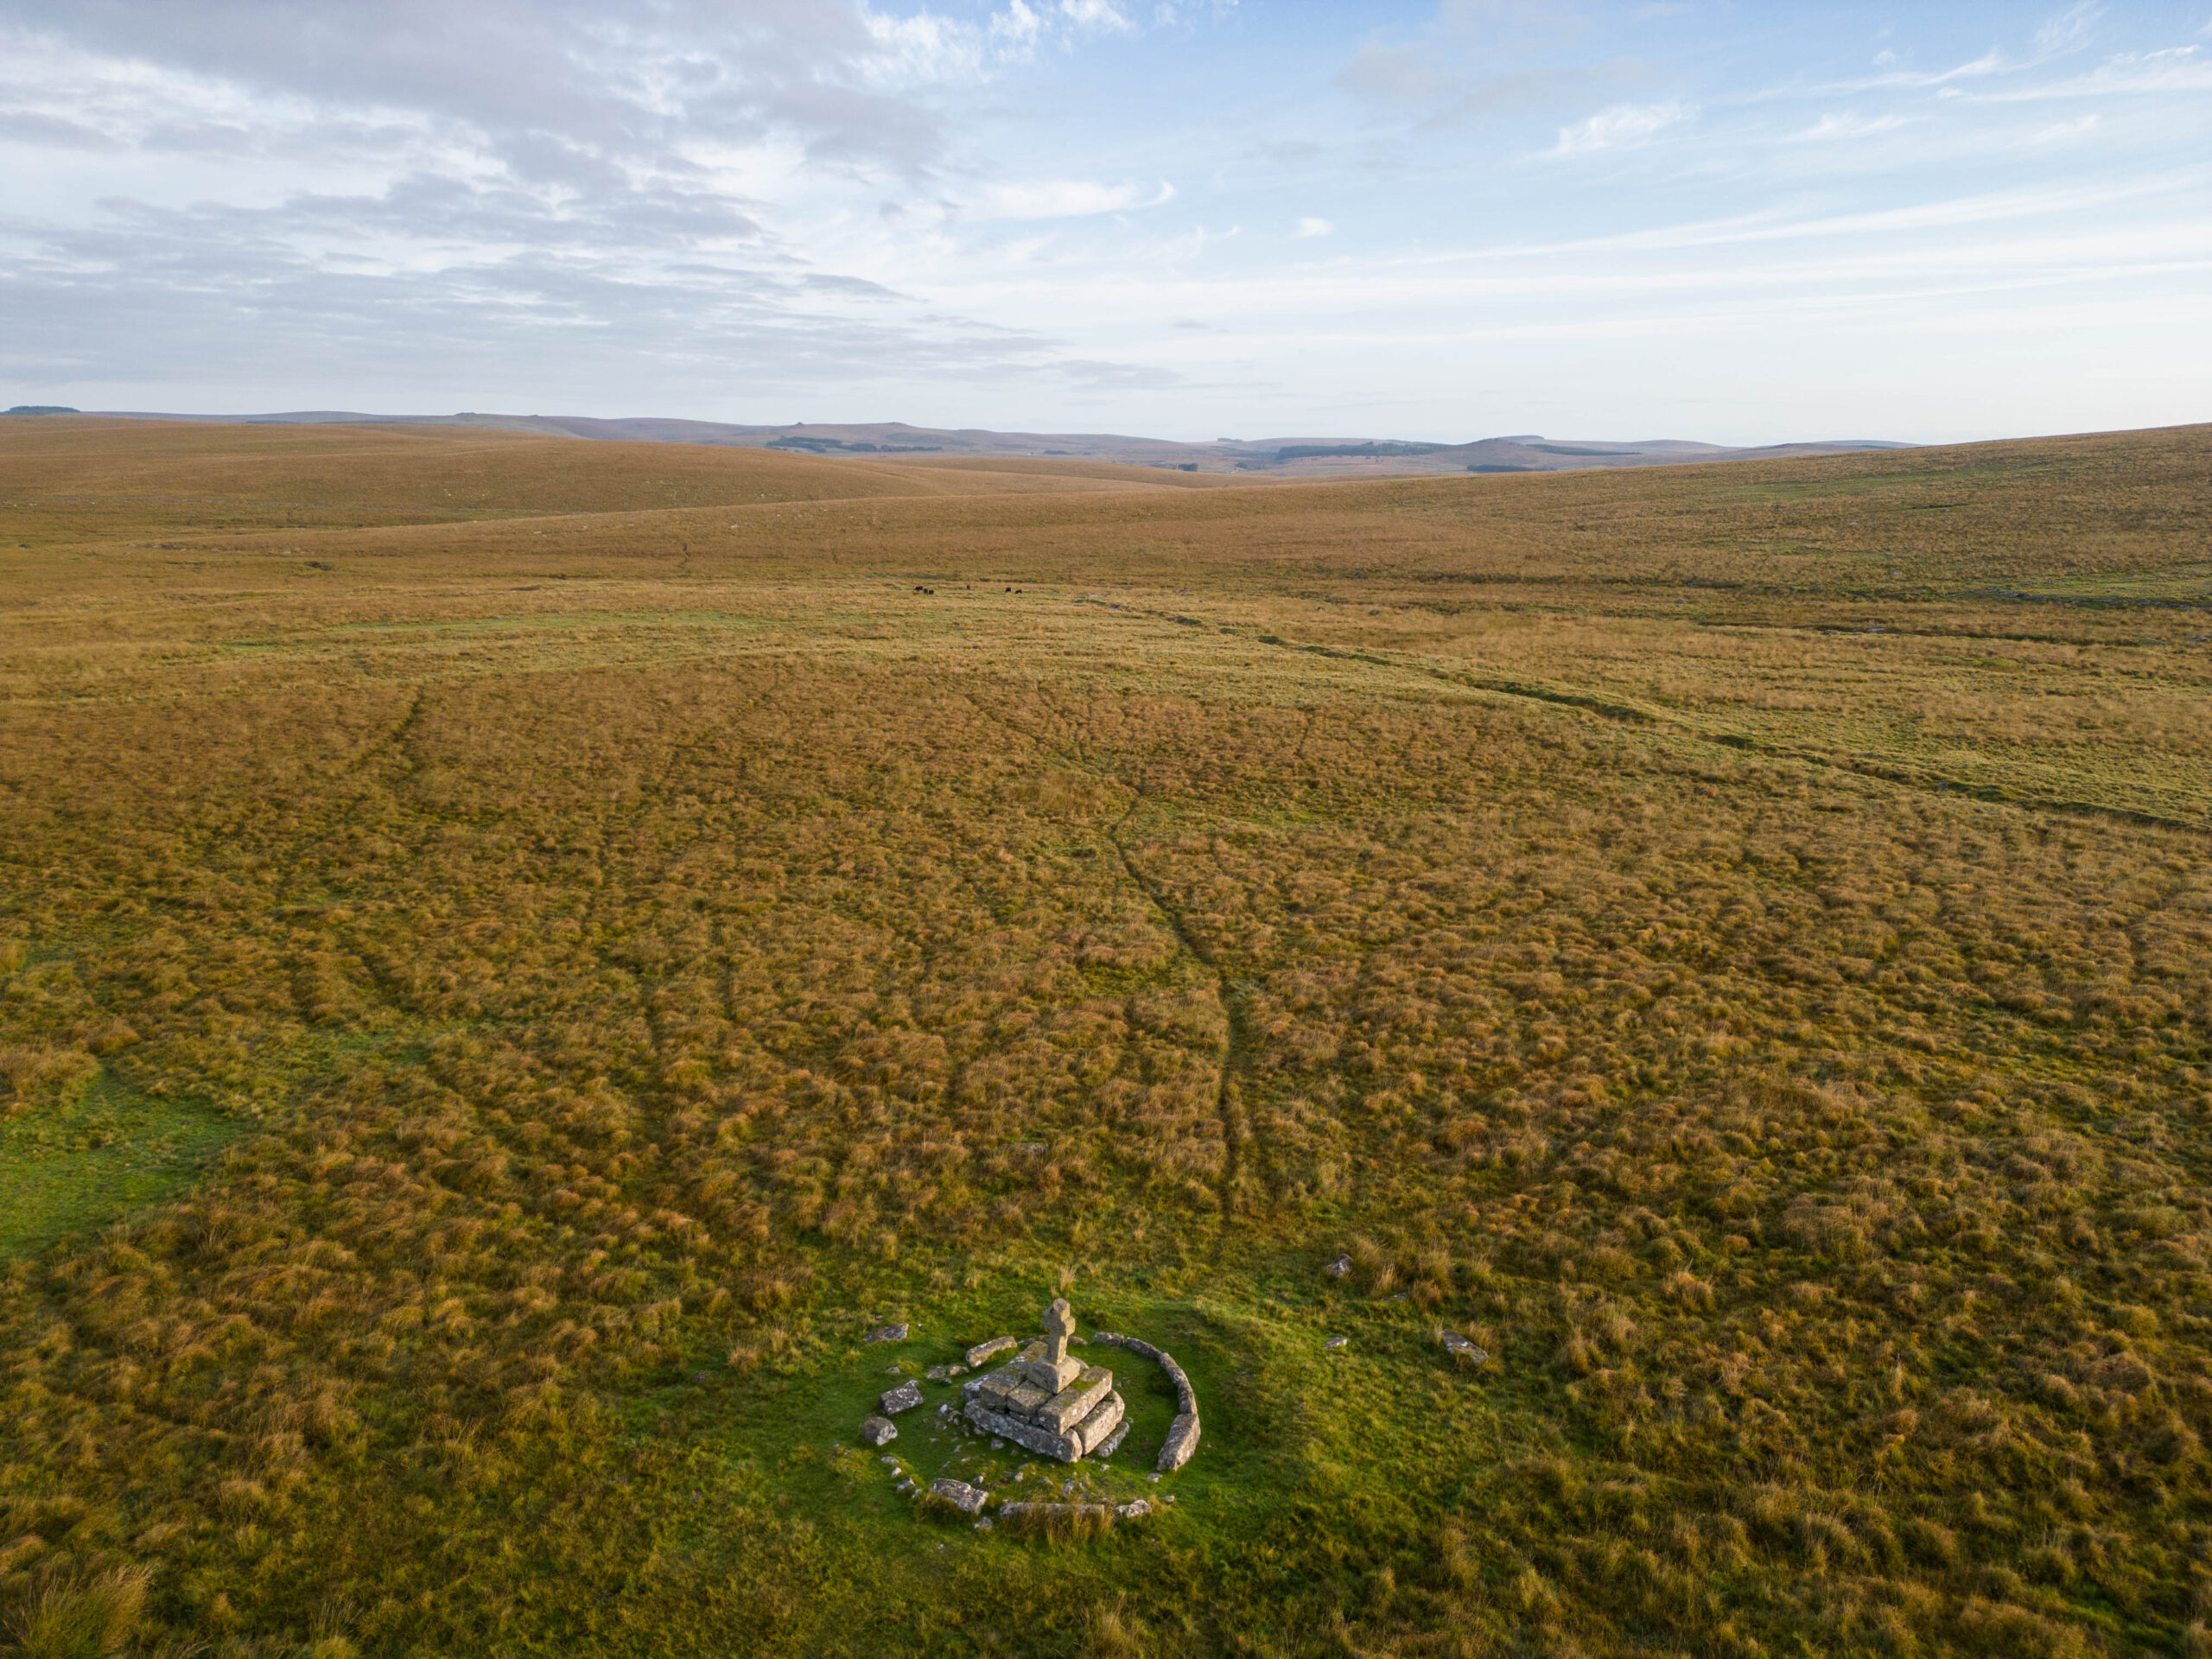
(650, 944)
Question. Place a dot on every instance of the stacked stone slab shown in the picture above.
(1044, 1401)
(1183, 1434)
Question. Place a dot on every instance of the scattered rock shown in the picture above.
(1338, 1267)
(984, 1524)
(937, 1373)
(905, 1397)
(1459, 1348)
(887, 1333)
(983, 1350)
(879, 1431)
(1336, 1341)
(1134, 1507)
(968, 1500)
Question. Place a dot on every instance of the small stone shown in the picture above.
(1336, 1341)
(937, 1373)
(1459, 1348)
(984, 1524)
(1134, 1508)
(1338, 1267)
(905, 1397)
(888, 1333)
(879, 1431)
(1154, 1475)
(968, 1500)
(998, 1445)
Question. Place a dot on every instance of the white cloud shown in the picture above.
(2069, 31)
(1094, 14)
(1829, 128)
(1623, 124)
(1067, 199)
(1314, 227)
(2178, 69)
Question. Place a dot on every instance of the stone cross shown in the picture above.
(1059, 1325)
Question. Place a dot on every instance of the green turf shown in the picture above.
(98, 1159)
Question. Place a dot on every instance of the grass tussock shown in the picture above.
(491, 1015)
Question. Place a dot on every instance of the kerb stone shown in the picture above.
(1182, 1440)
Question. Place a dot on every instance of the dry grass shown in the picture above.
(653, 942)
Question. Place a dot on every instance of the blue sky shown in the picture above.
(1193, 219)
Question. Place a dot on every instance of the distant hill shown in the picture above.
(1288, 457)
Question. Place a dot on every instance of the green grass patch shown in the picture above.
(100, 1158)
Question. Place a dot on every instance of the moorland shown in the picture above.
(516, 953)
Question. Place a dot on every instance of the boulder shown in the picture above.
(1459, 1348)
(879, 1431)
(905, 1397)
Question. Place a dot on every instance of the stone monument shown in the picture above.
(1046, 1401)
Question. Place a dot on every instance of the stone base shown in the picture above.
(1070, 1447)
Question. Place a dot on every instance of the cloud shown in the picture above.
(2070, 30)
(1094, 14)
(1315, 227)
(1623, 124)
(1831, 128)
(1067, 199)
(2177, 69)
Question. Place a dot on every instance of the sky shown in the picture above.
(1745, 221)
